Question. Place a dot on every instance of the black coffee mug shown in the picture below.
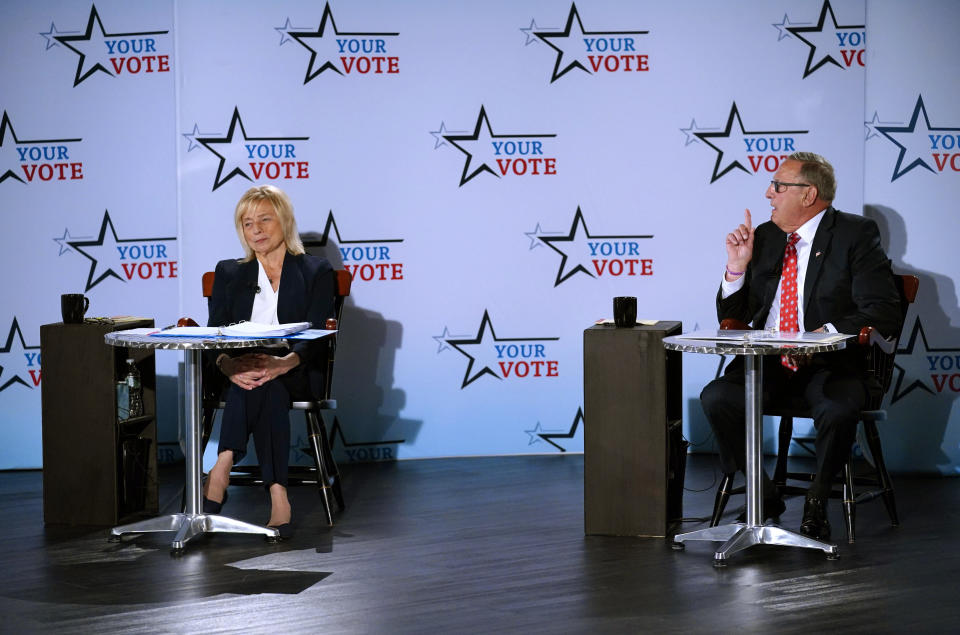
(73, 306)
(625, 311)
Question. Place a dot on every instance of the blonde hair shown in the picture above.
(281, 205)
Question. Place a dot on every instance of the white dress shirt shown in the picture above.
(806, 231)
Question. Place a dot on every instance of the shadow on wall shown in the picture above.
(926, 382)
(368, 426)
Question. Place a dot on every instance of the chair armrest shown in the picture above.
(731, 324)
(870, 336)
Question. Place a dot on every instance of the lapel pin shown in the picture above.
(817, 255)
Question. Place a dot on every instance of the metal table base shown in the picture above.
(193, 522)
(740, 536)
(189, 525)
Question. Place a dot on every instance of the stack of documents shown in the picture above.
(241, 329)
(767, 337)
(256, 329)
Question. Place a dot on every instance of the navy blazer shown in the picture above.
(849, 282)
(306, 294)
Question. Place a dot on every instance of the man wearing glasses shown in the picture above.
(809, 268)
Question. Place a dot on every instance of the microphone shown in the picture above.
(255, 287)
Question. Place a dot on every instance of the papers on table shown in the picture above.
(765, 337)
(256, 329)
(310, 334)
(292, 330)
(140, 331)
(189, 331)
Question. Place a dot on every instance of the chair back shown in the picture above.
(208, 278)
(880, 352)
(880, 359)
(343, 281)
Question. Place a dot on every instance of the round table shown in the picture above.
(752, 346)
(192, 522)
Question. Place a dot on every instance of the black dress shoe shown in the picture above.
(213, 507)
(285, 530)
(815, 523)
(772, 508)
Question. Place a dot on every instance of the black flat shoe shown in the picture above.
(815, 523)
(285, 530)
(213, 507)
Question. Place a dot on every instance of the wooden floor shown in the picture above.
(476, 545)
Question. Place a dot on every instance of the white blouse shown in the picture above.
(265, 300)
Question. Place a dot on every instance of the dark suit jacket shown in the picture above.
(849, 282)
(307, 294)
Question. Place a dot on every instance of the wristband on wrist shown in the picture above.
(736, 274)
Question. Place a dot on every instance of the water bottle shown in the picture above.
(135, 389)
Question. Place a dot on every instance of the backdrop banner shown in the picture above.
(492, 174)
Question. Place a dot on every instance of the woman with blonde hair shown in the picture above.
(274, 283)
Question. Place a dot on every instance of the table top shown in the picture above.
(182, 343)
(749, 343)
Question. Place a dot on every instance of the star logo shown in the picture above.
(92, 44)
(232, 149)
(530, 32)
(570, 44)
(331, 224)
(783, 26)
(912, 371)
(823, 39)
(915, 140)
(536, 236)
(324, 52)
(537, 433)
(15, 348)
(872, 125)
(479, 147)
(482, 352)
(192, 136)
(440, 134)
(65, 248)
(285, 30)
(106, 254)
(579, 249)
(734, 142)
(441, 339)
(51, 35)
(367, 260)
(691, 132)
(12, 157)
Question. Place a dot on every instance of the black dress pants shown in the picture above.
(263, 412)
(833, 390)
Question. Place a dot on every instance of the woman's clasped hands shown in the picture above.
(255, 369)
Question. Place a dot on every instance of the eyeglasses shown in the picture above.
(780, 187)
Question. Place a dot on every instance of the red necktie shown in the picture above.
(788, 294)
